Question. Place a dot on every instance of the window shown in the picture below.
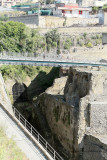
(80, 12)
(63, 11)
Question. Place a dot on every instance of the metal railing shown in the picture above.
(31, 129)
(37, 136)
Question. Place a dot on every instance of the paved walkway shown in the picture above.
(12, 130)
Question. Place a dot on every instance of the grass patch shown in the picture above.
(8, 149)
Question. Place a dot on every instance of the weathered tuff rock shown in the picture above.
(57, 87)
(4, 100)
(81, 110)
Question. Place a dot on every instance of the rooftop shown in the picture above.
(74, 8)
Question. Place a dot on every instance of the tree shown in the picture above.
(53, 39)
(16, 37)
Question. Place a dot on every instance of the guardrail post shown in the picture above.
(25, 123)
(19, 116)
(46, 146)
(31, 130)
(14, 110)
(54, 154)
(38, 137)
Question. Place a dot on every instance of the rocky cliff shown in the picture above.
(77, 111)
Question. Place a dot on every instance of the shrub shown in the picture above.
(67, 44)
(89, 45)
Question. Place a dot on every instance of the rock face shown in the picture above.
(57, 87)
(80, 110)
(95, 148)
(4, 100)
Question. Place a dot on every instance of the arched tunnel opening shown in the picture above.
(24, 105)
(19, 91)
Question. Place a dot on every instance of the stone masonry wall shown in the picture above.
(30, 20)
(51, 21)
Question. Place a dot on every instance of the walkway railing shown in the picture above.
(36, 135)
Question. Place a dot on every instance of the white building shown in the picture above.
(102, 17)
(100, 3)
(71, 11)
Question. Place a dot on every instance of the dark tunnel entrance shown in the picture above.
(19, 91)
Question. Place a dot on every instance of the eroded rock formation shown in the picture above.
(78, 111)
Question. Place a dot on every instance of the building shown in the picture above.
(102, 17)
(70, 10)
(104, 38)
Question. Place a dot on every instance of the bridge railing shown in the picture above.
(52, 54)
(36, 135)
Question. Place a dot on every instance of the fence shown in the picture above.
(36, 135)
(29, 127)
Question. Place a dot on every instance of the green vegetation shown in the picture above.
(16, 37)
(52, 39)
(19, 73)
(96, 9)
(105, 6)
(56, 113)
(89, 45)
(67, 44)
(3, 18)
(8, 149)
(66, 118)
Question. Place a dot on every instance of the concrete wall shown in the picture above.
(51, 21)
(98, 118)
(30, 20)
(105, 18)
(76, 30)
(104, 38)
